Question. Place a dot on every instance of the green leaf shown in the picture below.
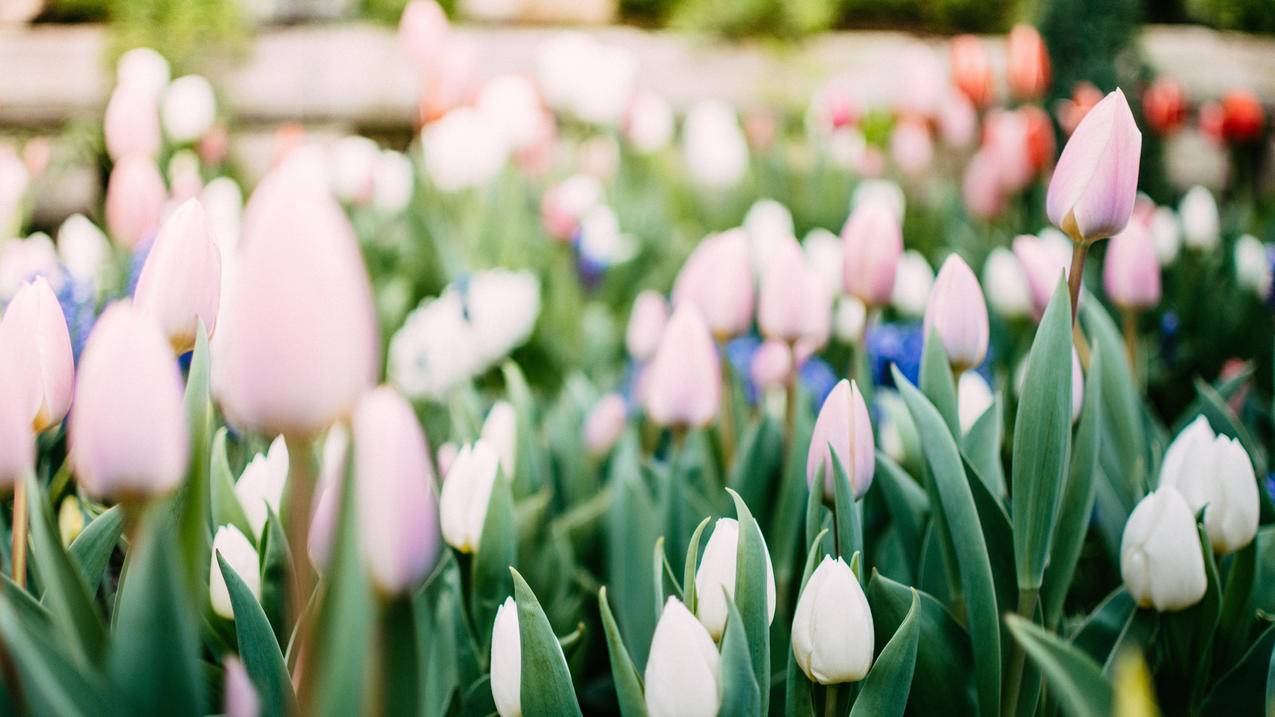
(92, 548)
(797, 698)
(847, 514)
(740, 694)
(226, 509)
(632, 528)
(550, 694)
(1123, 457)
(757, 461)
(260, 652)
(195, 496)
(1074, 679)
(751, 587)
(628, 684)
(957, 505)
(692, 560)
(1042, 441)
(1237, 605)
(885, 689)
(1000, 540)
(907, 504)
(1098, 634)
(53, 683)
(497, 551)
(937, 382)
(982, 446)
(531, 471)
(1241, 690)
(400, 671)
(276, 575)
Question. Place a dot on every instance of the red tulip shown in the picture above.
(1028, 61)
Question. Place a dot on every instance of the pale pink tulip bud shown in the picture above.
(83, 248)
(563, 205)
(646, 324)
(873, 245)
(911, 147)
(34, 331)
(189, 109)
(1092, 191)
(180, 283)
(336, 447)
(922, 81)
(604, 424)
(145, 68)
(302, 343)
(445, 456)
(131, 122)
(958, 121)
(1044, 262)
(398, 509)
(135, 196)
(957, 313)
(981, 188)
(17, 440)
(1131, 270)
(128, 437)
(1028, 62)
(718, 279)
(241, 698)
(422, 31)
(1077, 386)
(843, 430)
(1006, 141)
(772, 365)
(793, 306)
(683, 383)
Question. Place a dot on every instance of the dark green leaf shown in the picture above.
(982, 446)
(885, 689)
(1123, 457)
(53, 683)
(751, 587)
(1097, 635)
(692, 560)
(260, 652)
(195, 496)
(1237, 605)
(1074, 680)
(740, 694)
(497, 551)
(1241, 691)
(907, 504)
(91, 550)
(550, 694)
(276, 575)
(628, 684)
(937, 382)
(226, 509)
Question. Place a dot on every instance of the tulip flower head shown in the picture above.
(1160, 558)
(1028, 62)
(1006, 284)
(715, 578)
(17, 439)
(646, 324)
(683, 672)
(83, 248)
(242, 699)
(34, 332)
(130, 124)
(506, 661)
(135, 196)
(974, 397)
(843, 432)
(772, 365)
(1131, 270)
(793, 306)
(1094, 185)
(718, 279)
(971, 69)
(180, 283)
(466, 495)
(957, 314)
(1201, 226)
(683, 383)
(832, 636)
(239, 554)
(1252, 269)
(1044, 261)
(189, 109)
(1214, 474)
(604, 424)
(913, 282)
(260, 487)
(873, 245)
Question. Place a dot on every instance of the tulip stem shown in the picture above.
(1074, 277)
(20, 533)
(726, 428)
(1131, 341)
(1018, 658)
(300, 496)
(830, 700)
(790, 415)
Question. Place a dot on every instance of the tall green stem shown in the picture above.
(1018, 659)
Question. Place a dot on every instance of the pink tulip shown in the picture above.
(1044, 262)
(922, 82)
(1006, 140)
(683, 383)
(958, 121)
(1028, 62)
(1131, 271)
(241, 698)
(131, 123)
(180, 283)
(911, 147)
(772, 365)
(301, 339)
(422, 31)
(135, 196)
(843, 430)
(34, 331)
(646, 324)
(128, 436)
(718, 279)
(17, 440)
(604, 424)
(873, 245)
(1094, 185)
(793, 307)
(398, 508)
(957, 313)
(971, 69)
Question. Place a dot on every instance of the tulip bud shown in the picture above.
(1028, 61)
(922, 81)
(981, 186)
(135, 196)
(1092, 191)
(957, 314)
(1242, 116)
(423, 30)
(1131, 271)
(239, 554)
(131, 123)
(180, 283)
(911, 147)
(974, 397)
(500, 431)
(873, 245)
(823, 258)
(793, 306)
(352, 163)
(913, 282)
(1252, 269)
(1164, 105)
(832, 635)
(143, 67)
(683, 672)
(445, 456)
(958, 121)
(849, 319)
(1043, 261)
(83, 248)
(1006, 284)
(684, 379)
(604, 424)
(650, 122)
(506, 661)
(260, 486)
(646, 324)
(466, 495)
(718, 279)
(844, 430)
(398, 510)
(1201, 227)
(715, 578)
(70, 520)
(1214, 474)
(713, 145)
(302, 341)
(128, 438)
(1077, 386)
(465, 149)
(563, 205)
(35, 331)
(1160, 559)
(971, 69)
(241, 699)
(1166, 234)
(393, 177)
(502, 307)
(772, 365)
(17, 440)
(336, 448)
(189, 109)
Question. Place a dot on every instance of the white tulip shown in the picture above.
(351, 167)
(511, 101)
(832, 634)
(506, 661)
(650, 122)
(974, 397)
(1201, 226)
(501, 431)
(393, 178)
(1214, 474)
(144, 67)
(683, 672)
(1166, 232)
(874, 190)
(823, 255)
(189, 109)
(1252, 267)
(466, 495)
(463, 150)
(1160, 558)
(713, 145)
(435, 349)
(715, 579)
(261, 485)
(849, 319)
(239, 554)
(767, 223)
(913, 280)
(502, 306)
(1005, 284)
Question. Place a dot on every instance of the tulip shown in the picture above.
(336, 446)
(823, 258)
(23, 259)
(1084, 97)
(849, 319)
(713, 146)
(646, 324)
(1028, 62)
(1092, 191)
(981, 187)
(1166, 233)
(873, 245)
(260, 486)
(922, 81)
(463, 150)
(135, 196)
(684, 378)
(1201, 227)
(302, 343)
(500, 431)
(604, 424)
(34, 329)
(466, 495)
(1242, 117)
(766, 223)
(1252, 269)
(1160, 558)
(880, 190)
(398, 510)
(957, 314)
(913, 281)
(131, 123)
(771, 367)
(17, 440)
(435, 349)
(189, 109)
(793, 306)
(832, 635)
(143, 67)
(1006, 284)
(514, 104)
(393, 177)
(1007, 144)
(506, 661)
(83, 248)
(958, 121)
(128, 438)
(180, 283)
(241, 699)
(718, 279)
(1214, 474)
(683, 672)
(843, 430)
(1131, 271)
(423, 30)
(715, 578)
(352, 162)
(563, 205)
(1039, 137)
(70, 520)
(650, 123)
(1077, 386)
(239, 554)
(1043, 261)
(445, 455)
(586, 79)
(1164, 105)
(911, 147)
(971, 69)
(974, 397)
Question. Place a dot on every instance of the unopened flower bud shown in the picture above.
(832, 636)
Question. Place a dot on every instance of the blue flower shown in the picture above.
(818, 378)
(740, 352)
(79, 307)
(1169, 327)
(897, 344)
(137, 261)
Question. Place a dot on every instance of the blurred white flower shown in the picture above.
(849, 319)
(352, 167)
(223, 203)
(189, 109)
(823, 254)
(713, 145)
(974, 397)
(435, 349)
(261, 485)
(143, 67)
(513, 105)
(767, 223)
(565, 203)
(1166, 232)
(912, 282)
(1005, 284)
(503, 306)
(1201, 226)
(601, 240)
(884, 190)
(393, 178)
(83, 248)
(650, 122)
(239, 554)
(1252, 268)
(23, 259)
(463, 150)
(585, 79)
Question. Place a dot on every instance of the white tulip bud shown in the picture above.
(260, 486)
(913, 280)
(1006, 284)
(506, 661)
(1201, 226)
(683, 672)
(1214, 474)
(974, 397)
(832, 634)
(189, 109)
(1160, 559)
(1252, 268)
(242, 558)
(501, 431)
(715, 579)
(466, 494)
